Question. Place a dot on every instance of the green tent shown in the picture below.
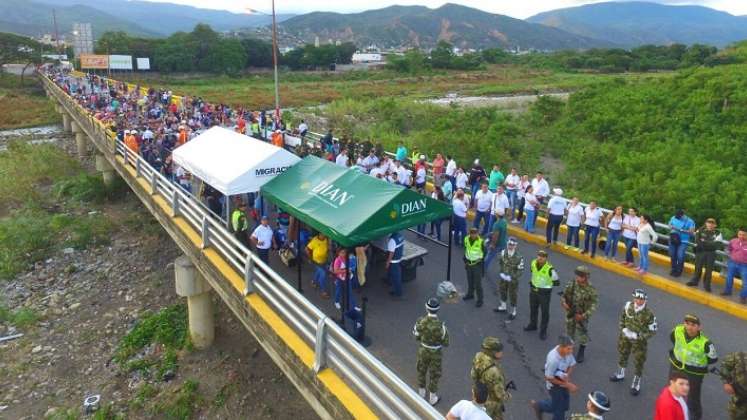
(349, 207)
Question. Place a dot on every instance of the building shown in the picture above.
(359, 57)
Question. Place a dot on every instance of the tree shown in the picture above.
(113, 43)
(258, 52)
(442, 56)
(225, 56)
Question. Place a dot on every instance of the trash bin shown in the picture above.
(410, 269)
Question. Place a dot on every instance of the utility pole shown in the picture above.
(56, 33)
(275, 63)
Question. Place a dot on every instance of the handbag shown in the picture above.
(675, 239)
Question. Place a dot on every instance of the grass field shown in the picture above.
(303, 89)
(24, 106)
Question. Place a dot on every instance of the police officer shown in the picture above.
(486, 370)
(579, 300)
(474, 252)
(637, 326)
(544, 277)
(596, 406)
(239, 224)
(733, 372)
(512, 267)
(691, 354)
(395, 248)
(432, 334)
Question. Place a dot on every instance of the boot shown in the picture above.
(421, 392)
(707, 286)
(692, 283)
(433, 399)
(530, 327)
(501, 307)
(635, 386)
(580, 354)
(512, 316)
(619, 375)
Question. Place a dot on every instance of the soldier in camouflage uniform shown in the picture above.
(733, 372)
(432, 335)
(512, 267)
(596, 406)
(485, 370)
(579, 301)
(637, 326)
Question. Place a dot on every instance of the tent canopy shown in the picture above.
(233, 163)
(349, 207)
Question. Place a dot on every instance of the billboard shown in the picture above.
(120, 62)
(143, 63)
(93, 61)
(82, 39)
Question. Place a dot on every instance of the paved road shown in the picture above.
(390, 323)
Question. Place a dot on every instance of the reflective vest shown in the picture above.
(236, 220)
(399, 249)
(541, 278)
(473, 249)
(690, 354)
(255, 127)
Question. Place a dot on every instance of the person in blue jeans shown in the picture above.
(614, 231)
(530, 208)
(459, 218)
(592, 220)
(341, 281)
(682, 227)
(558, 368)
(737, 250)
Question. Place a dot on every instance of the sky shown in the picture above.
(518, 9)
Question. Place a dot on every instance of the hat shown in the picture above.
(127, 131)
(512, 241)
(557, 191)
(422, 157)
(477, 161)
(582, 270)
(711, 220)
(693, 319)
(564, 340)
(640, 294)
(433, 305)
(264, 218)
(600, 400)
(133, 131)
(542, 253)
(492, 344)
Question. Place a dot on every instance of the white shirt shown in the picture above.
(683, 405)
(451, 167)
(468, 410)
(420, 176)
(522, 189)
(370, 161)
(342, 160)
(575, 213)
(461, 180)
(500, 201)
(632, 221)
(593, 216)
(528, 198)
(263, 235)
(484, 200)
(541, 187)
(557, 365)
(615, 222)
(513, 182)
(303, 127)
(403, 175)
(556, 205)
(147, 134)
(460, 209)
(646, 235)
(376, 171)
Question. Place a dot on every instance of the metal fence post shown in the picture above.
(137, 168)
(320, 345)
(153, 182)
(174, 202)
(205, 230)
(248, 275)
(125, 155)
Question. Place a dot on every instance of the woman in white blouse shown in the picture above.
(646, 237)
(592, 221)
(574, 213)
(531, 204)
(614, 230)
(630, 234)
(521, 201)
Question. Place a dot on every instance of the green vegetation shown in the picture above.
(22, 318)
(182, 404)
(24, 105)
(441, 57)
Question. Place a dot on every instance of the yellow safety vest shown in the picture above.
(691, 353)
(235, 220)
(541, 278)
(473, 251)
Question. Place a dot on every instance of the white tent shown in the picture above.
(233, 163)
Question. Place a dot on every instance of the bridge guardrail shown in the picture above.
(333, 347)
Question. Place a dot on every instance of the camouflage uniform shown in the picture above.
(734, 371)
(642, 323)
(432, 334)
(513, 266)
(583, 300)
(486, 370)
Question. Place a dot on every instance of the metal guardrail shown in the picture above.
(333, 347)
(314, 139)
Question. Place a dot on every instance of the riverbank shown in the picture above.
(24, 105)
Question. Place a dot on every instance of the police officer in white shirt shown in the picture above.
(556, 210)
(263, 239)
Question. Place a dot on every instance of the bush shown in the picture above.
(82, 188)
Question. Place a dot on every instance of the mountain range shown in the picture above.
(635, 23)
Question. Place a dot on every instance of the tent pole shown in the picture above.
(228, 210)
(346, 290)
(451, 242)
(299, 257)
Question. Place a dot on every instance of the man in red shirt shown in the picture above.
(672, 403)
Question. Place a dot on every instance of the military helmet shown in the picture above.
(492, 344)
(640, 294)
(600, 400)
(582, 271)
(433, 305)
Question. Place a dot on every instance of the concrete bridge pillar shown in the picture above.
(81, 142)
(103, 166)
(191, 284)
(67, 122)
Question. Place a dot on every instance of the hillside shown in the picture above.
(418, 26)
(638, 23)
(33, 19)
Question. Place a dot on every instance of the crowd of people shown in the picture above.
(152, 123)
